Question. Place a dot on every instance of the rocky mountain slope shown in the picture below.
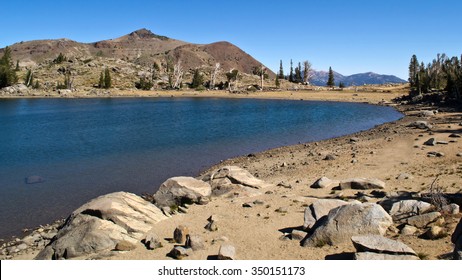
(320, 79)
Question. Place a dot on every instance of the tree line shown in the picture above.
(442, 74)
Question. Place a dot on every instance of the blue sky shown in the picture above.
(351, 36)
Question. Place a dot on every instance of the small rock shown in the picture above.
(421, 125)
(430, 142)
(459, 154)
(426, 113)
(180, 233)
(408, 230)
(22, 247)
(455, 135)
(182, 209)
(325, 182)
(329, 157)
(285, 185)
(247, 205)
(226, 252)
(442, 142)
(195, 242)
(435, 232)
(258, 202)
(435, 154)
(421, 221)
(362, 184)
(124, 246)
(152, 241)
(354, 139)
(284, 164)
(211, 226)
(166, 211)
(179, 252)
(452, 209)
(282, 210)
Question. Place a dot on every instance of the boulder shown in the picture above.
(180, 233)
(195, 242)
(421, 125)
(408, 208)
(319, 209)
(456, 238)
(369, 256)
(348, 220)
(408, 230)
(102, 223)
(422, 221)
(426, 113)
(125, 245)
(179, 252)
(180, 190)
(430, 142)
(325, 182)
(152, 240)
(227, 252)
(362, 184)
(380, 244)
(435, 232)
(452, 209)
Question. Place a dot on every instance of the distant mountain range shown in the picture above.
(320, 78)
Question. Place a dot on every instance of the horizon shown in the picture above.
(358, 37)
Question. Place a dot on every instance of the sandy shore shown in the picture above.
(383, 152)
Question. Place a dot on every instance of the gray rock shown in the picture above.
(362, 184)
(22, 247)
(408, 230)
(319, 209)
(325, 182)
(369, 256)
(459, 154)
(422, 221)
(408, 208)
(238, 175)
(455, 135)
(124, 245)
(99, 225)
(440, 142)
(329, 157)
(34, 179)
(426, 113)
(430, 142)
(212, 223)
(179, 252)
(435, 232)
(180, 233)
(297, 234)
(179, 190)
(195, 242)
(452, 209)
(152, 241)
(354, 139)
(227, 252)
(421, 125)
(348, 220)
(380, 244)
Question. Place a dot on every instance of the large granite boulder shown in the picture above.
(348, 220)
(180, 190)
(362, 184)
(319, 209)
(99, 225)
(456, 238)
(408, 208)
(325, 182)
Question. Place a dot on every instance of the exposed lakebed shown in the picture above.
(78, 149)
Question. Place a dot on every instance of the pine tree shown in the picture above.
(101, 80)
(298, 73)
(413, 71)
(107, 79)
(291, 75)
(331, 81)
(197, 80)
(17, 66)
(276, 82)
(7, 74)
(281, 71)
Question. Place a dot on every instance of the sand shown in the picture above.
(383, 152)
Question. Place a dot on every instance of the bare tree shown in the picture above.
(214, 75)
(177, 74)
(262, 76)
(307, 72)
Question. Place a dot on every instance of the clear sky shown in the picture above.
(351, 36)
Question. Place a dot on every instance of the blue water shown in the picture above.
(87, 147)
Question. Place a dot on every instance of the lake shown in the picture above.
(83, 148)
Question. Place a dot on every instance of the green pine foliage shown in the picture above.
(144, 84)
(330, 80)
(277, 83)
(8, 75)
(198, 79)
(59, 59)
(107, 79)
(281, 71)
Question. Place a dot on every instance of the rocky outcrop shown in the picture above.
(362, 184)
(319, 209)
(234, 179)
(408, 208)
(380, 244)
(99, 225)
(348, 220)
(421, 125)
(181, 190)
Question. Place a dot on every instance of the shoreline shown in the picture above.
(279, 175)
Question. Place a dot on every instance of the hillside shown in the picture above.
(129, 57)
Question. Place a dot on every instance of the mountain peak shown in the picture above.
(144, 33)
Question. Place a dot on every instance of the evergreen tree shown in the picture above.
(155, 70)
(413, 71)
(298, 73)
(291, 75)
(281, 71)
(101, 80)
(341, 85)
(331, 81)
(7, 74)
(59, 59)
(197, 80)
(276, 82)
(17, 66)
(107, 79)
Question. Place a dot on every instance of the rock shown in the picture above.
(421, 221)
(456, 238)
(212, 225)
(452, 209)
(181, 190)
(297, 234)
(408, 208)
(101, 224)
(455, 135)
(435, 154)
(319, 209)
(442, 142)
(34, 179)
(125, 246)
(361, 184)
(325, 182)
(282, 210)
(348, 220)
(408, 230)
(247, 205)
(180, 233)
(179, 252)
(426, 113)
(227, 252)
(435, 232)
(167, 211)
(354, 139)
(368, 256)
(22, 247)
(430, 142)
(380, 244)
(329, 157)
(404, 176)
(152, 240)
(240, 176)
(195, 242)
(421, 125)
(459, 154)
